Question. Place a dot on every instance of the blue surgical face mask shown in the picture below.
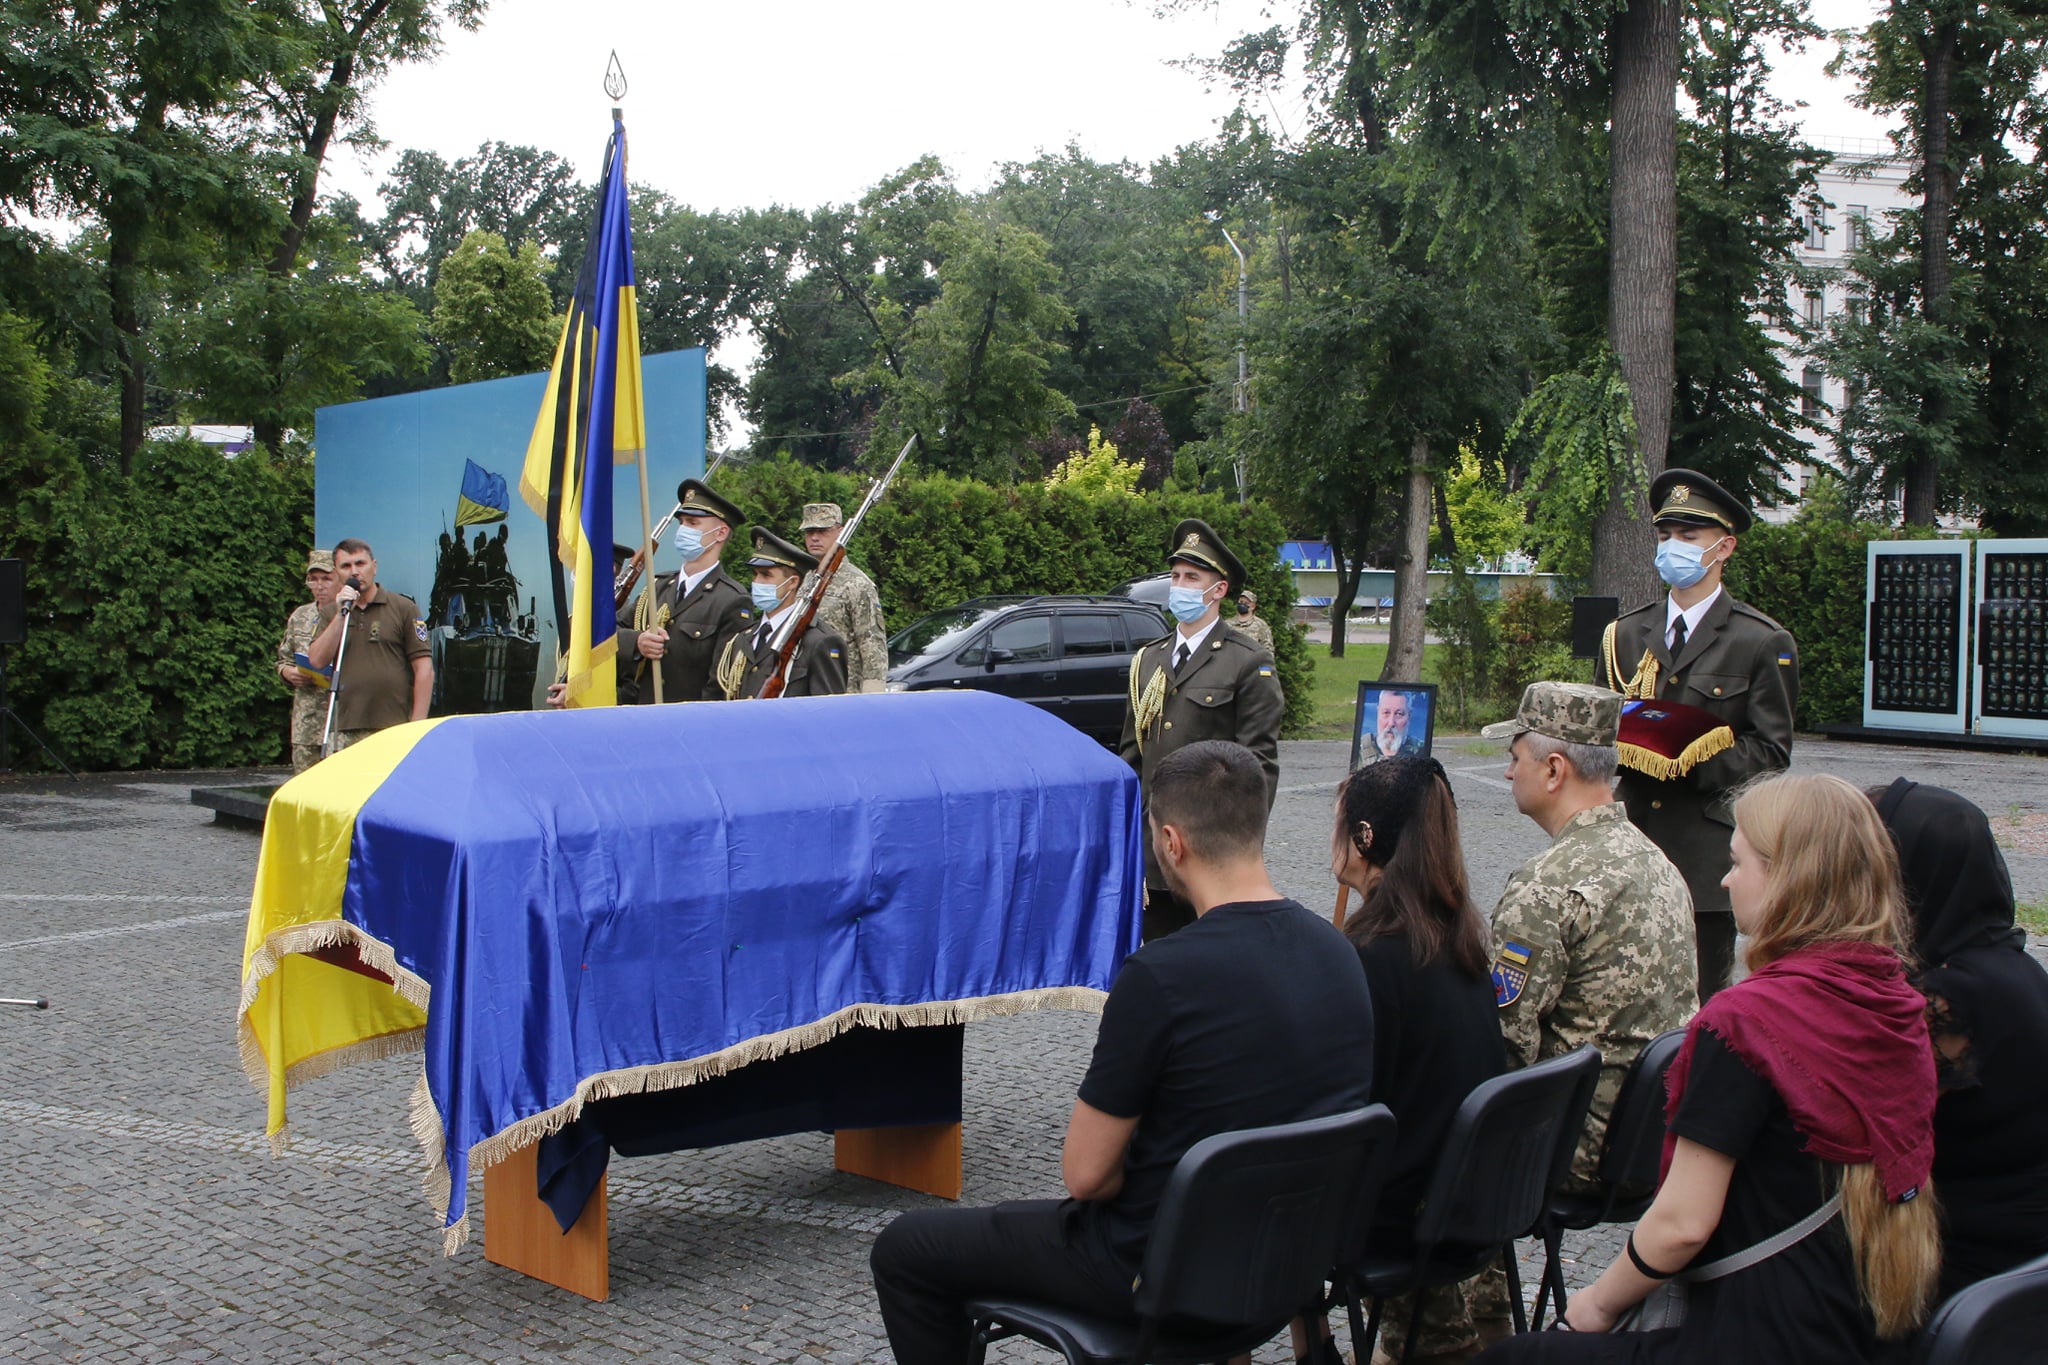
(1186, 604)
(767, 597)
(689, 540)
(1680, 562)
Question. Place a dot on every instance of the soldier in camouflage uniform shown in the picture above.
(851, 608)
(1593, 938)
(1250, 622)
(309, 695)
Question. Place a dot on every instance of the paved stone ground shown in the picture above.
(143, 1218)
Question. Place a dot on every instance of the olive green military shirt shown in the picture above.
(710, 617)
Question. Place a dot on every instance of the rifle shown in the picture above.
(807, 602)
(629, 573)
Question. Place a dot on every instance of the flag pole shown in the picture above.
(640, 458)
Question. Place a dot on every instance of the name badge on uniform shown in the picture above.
(1510, 974)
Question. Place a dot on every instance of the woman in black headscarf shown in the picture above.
(1987, 1005)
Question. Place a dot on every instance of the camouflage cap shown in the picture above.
(821, 516)
(321, 561)
(1576, 713)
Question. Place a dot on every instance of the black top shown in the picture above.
(1255, 1014)
(1989, 1002)
(1802, 1304)
(1435, 1037)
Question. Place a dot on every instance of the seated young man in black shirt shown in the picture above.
(1256, 1014)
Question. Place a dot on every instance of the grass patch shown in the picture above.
(2033, 916)
(1336, 684)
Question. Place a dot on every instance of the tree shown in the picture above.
(492, 310)
(968, 372)
(1942, 362)
(1096, 471)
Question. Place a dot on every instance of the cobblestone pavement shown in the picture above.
(144, 1219)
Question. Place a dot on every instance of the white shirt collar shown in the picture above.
(1194, 642)
(1693, 615)
(691, 580)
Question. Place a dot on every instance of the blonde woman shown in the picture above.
(1812, 1077)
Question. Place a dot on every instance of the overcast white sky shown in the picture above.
(806, 102)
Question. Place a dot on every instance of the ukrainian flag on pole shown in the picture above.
(591, 418)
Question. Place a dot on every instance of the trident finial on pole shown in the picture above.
(615, 77)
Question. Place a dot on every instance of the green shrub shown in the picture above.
(156, 602)
(935, 541)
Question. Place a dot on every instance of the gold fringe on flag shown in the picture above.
(1717, 740)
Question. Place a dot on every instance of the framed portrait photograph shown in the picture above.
(1395, 719)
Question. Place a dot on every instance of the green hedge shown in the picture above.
(935, 541)
(1808, 576)
(156, 600)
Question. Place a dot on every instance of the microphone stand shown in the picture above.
(334, 688)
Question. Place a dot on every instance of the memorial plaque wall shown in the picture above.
(2012, 637)
(1913, 672)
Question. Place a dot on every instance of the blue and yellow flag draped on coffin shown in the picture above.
(592, 416)
(498, 890)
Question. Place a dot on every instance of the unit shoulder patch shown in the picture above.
(1510, 974)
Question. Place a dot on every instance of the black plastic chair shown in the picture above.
(1993, 1322)
(1509, 1147)
(1248, 1227)
(1630, 1157)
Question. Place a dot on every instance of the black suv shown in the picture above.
(1067, 655)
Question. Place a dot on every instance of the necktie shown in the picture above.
(1180, 658)
(761, 635)
(1677, 636)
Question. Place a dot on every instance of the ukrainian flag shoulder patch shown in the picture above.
(1510, 974)
(1784, 661)
(1265, 670)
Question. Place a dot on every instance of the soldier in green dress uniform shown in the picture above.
(683, 622)
(1205, 680)
(1702, 647)
(818, 668)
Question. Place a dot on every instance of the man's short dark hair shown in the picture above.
(352, 546)
(1214, 793)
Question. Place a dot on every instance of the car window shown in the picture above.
(1145, 627)
(1086, 633)
(1028, 638)
(934, 633)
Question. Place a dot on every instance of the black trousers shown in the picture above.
(1713, 937)
(929, 1262)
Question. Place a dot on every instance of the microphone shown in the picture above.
(355, 583)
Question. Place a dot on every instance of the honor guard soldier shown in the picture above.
(683, 623)
(851, 608)
(1205, 680)
(1701, 647)
(818, 668)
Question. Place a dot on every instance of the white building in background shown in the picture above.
(1862, 189)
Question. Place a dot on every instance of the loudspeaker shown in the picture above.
(13, 601)
(1590, 616)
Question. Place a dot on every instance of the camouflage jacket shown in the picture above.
(1255, 629)
(1593, 943)
(852, 610)
(309, 704)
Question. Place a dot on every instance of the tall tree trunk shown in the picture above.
(1922, 491)
(1350, 561)
(128, 220)
(1411, 571)
(1642, 274)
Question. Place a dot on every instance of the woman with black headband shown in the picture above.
(1436, 1030)
(1988, 1005)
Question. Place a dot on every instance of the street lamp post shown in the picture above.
(1243, 381)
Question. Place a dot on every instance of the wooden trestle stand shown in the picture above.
(520, 1232)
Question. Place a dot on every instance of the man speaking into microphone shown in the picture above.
(387, 673)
